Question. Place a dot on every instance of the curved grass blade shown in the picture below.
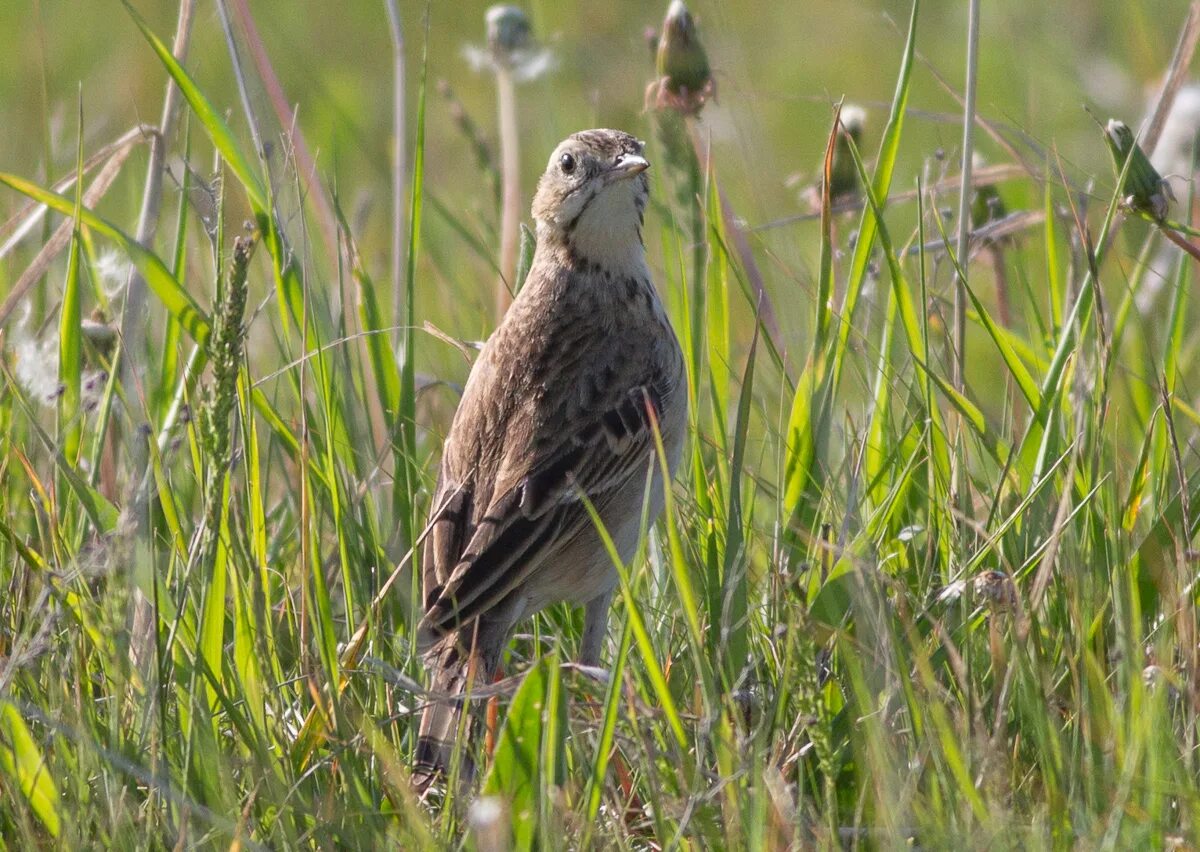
(222, 137)
(175, 298)
(516, 774)
(889, 148)
(1024, 380)
(22, 760)
(70, 331)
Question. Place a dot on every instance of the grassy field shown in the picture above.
(900, 595)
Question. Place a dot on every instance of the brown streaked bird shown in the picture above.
(563, 400)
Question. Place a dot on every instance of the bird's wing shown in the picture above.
(594, 444)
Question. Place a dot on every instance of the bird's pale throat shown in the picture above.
(608, 232)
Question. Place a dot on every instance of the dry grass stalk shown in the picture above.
(1181, 61)
(399, 166)
(133, 320)
(306, 165)
(62, 235)
(510, 192)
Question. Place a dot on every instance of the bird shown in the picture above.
(562, 404)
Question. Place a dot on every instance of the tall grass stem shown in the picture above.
(510, 182)
(965, 193)
(133, 320)
(306, 166)
(396, 28)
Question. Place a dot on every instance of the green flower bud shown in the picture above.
(1145, 189)
(684, 82)
(682, 63)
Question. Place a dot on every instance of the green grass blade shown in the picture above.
(171, 293)
(735, 581)
(22, 760)
(70, 331)
(212, 120)
(515, 774)
(637, 624)
(608, 730)
(889, 149)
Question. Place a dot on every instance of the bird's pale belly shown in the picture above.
(582, 569)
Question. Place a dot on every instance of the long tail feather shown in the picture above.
(444, 735)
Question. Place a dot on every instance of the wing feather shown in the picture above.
(530, 521)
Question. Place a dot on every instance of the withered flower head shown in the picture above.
(508, 31)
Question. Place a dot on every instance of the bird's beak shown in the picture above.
(628, 166)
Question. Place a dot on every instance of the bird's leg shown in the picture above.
(595, 628)
(493, 716)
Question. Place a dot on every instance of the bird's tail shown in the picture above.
(444, 735)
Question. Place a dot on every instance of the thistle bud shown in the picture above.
(843, 175)
(681, 61)
(1145, 189)
(684, 78)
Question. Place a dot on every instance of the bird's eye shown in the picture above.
(567, 163)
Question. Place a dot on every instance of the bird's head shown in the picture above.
(593, 193)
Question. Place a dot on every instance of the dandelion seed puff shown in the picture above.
(531, 64)
(510, 46)
(478, 58)
(36, 367)
(488, 822)
(485, 811)
(113, 268)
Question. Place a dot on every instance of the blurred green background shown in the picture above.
(779, 66)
